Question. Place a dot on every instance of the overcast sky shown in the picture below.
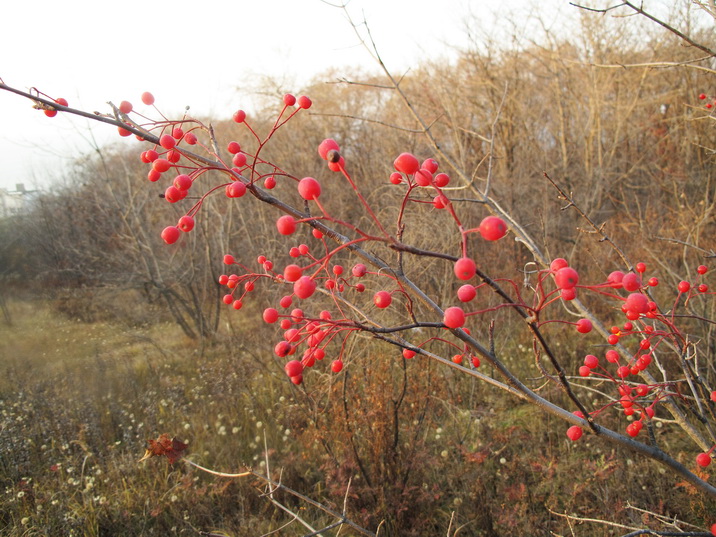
(200, 54)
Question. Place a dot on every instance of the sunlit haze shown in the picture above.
(206, 55)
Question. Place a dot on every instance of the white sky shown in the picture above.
(196, 53)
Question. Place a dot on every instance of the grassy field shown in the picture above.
(79, 400)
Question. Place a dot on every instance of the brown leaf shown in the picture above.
(172, 448)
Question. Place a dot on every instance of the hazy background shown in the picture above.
(208, 56)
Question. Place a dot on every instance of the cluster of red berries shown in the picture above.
(645, 324)
(643, 319)
(313, 332)
(52, 112)
(167, 154)
(712, 101)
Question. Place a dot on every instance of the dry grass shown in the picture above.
(79, 400)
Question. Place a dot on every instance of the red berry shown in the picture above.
(161, 165)
(640, 267)
(309, 188)
(121, 130)
(171, 234)
(475, 361)
(235, 190)
(464, 268)
(454, 317)
(612, 356)
(293, 368)
(406, 163)
(493, 228)
(190, 138)
(584, 371)
(440, 201)
(286, 225)
(329, 144)
(615, 279)
(304, 102)
(584, 326)
(174, 156)
(591, 361)
(684, 287)
(566, 278)
(653, 282)
(423, 177)
(408, 354)
(172, 194)
(574, 433)
(337, 366)
(239, 160)
(703, 288)
(289, 100)
(337, 166)
(233, 147)
(125, 107)
(359, 270)
(442, 180)
(297, 380)
(702, 96)
(631, 282)
(703, 459)
(182, 182)
(466, 293)
(304, 287)
(430, 164)
(147, 98)
(557, 264)
(637, 302)
(382, 299)
(167, 141)
(568, 294)
(396, 178)
(292, 273)
(702, 269)
(186, 223)
(239, 116)
(270, 182)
